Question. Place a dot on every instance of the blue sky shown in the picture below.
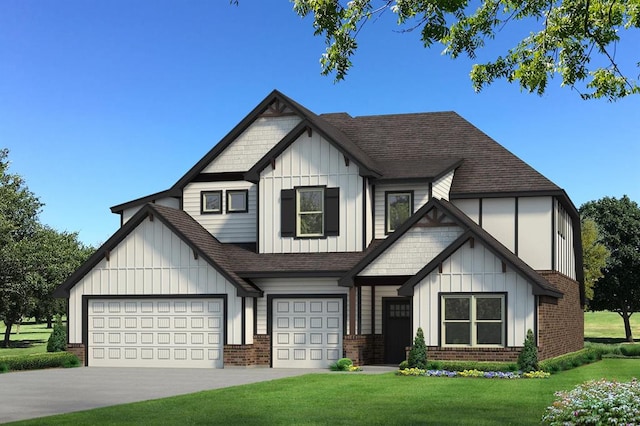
(102, 102)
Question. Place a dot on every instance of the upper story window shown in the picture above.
(310, 212)
(473, 320)
(211, 202)
(398, 208)
(237, 201)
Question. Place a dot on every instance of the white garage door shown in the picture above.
(306, 333)
(156, 333)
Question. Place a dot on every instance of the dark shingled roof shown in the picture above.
(427, 141)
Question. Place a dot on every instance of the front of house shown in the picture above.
(302, 238)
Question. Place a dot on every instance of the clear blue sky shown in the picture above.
(104, 101)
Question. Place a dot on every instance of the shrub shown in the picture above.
(39, 361)
(571, 360)
(418, 352)
(596, 402)
(471, 365)
(403, 365)
(528, 357)
(630, 350)
(58, 338)
(343, 364)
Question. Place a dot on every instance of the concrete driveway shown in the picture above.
(31, 394)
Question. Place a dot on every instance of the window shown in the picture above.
(310, 212)
(473, 320)
(398, 206)
(211, 202)
(237, 201)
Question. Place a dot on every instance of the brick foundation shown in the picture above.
(78, 350)
(474, 354)
(256, 354)
(364, 349)
(561, 322)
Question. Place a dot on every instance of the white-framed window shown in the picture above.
(237, 201)
(310, 212)
(473, 319)
(211, 202)
(398, 208)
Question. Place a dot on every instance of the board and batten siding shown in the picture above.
(531, 232)
(420, 198)
(412, 251)
(565, 260)
(441, 187)
(311, 161)
(127, 214)
(153, 261)
(474, 270)
(226, 227)
(365, 310)
(294, 286)
(252, 144)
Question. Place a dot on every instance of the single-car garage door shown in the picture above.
(306, 333)
(156, 332)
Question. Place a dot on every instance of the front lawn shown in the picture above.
(356, 398)
(607, 327)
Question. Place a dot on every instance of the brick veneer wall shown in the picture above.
(78, 350)
(262, 347)
(365, 349)
(561, 325)
(256, 354)
(474, 354)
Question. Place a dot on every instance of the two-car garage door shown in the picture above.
(156, 332)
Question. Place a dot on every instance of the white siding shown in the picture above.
(563, 234)
(440, 188)
(411, 252)
(365, 309)
(226, 227)
(295, 286)
(499, 219)
(311, 161)
(470, 207)
(534, 231)
(368, 214)
(127, 214)
(474, 270)
(252, 144)
(152, 260)
(420, 198)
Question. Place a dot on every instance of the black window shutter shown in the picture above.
(332, 212)
(288, 213)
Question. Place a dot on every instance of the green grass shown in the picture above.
(607, 327)
(355, 398)
(31, 340)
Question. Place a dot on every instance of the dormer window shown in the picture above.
(211, 202)
(399, 207)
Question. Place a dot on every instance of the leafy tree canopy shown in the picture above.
(595, 255)
(575, 39)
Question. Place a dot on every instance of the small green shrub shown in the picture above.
(471, 365)
(343, 364)
(596, 403)
(418, 352)
(403, 365)
(630, 350)
(528, 357)
(58, 339)
(571, 360)
(39, 361)
(3, 367)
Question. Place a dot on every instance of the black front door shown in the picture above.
(396, 324)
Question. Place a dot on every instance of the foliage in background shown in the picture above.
(58, 339)
(418, 352)
(618, 290)
(594, 255)
(528, 357)
(574, 39)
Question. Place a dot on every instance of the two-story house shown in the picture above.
(301, 238)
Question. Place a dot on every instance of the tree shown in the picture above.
(618, 290)
(594, 255)
(576, 39)
(528, 357)
(418, 352)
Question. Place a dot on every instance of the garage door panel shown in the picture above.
(156, 333)
(307, 333)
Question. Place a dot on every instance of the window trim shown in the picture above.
(203, 204)
(229, 192)
(323, 211)
(388, 231)
(473, 321)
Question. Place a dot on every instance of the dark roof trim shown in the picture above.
(448, 170)
(420, 179)
(253, 174)
(63, 289)
(219, 177)
(167, 193)
(497, 194)
(291, 274)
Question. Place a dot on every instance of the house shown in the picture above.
(301, 238)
